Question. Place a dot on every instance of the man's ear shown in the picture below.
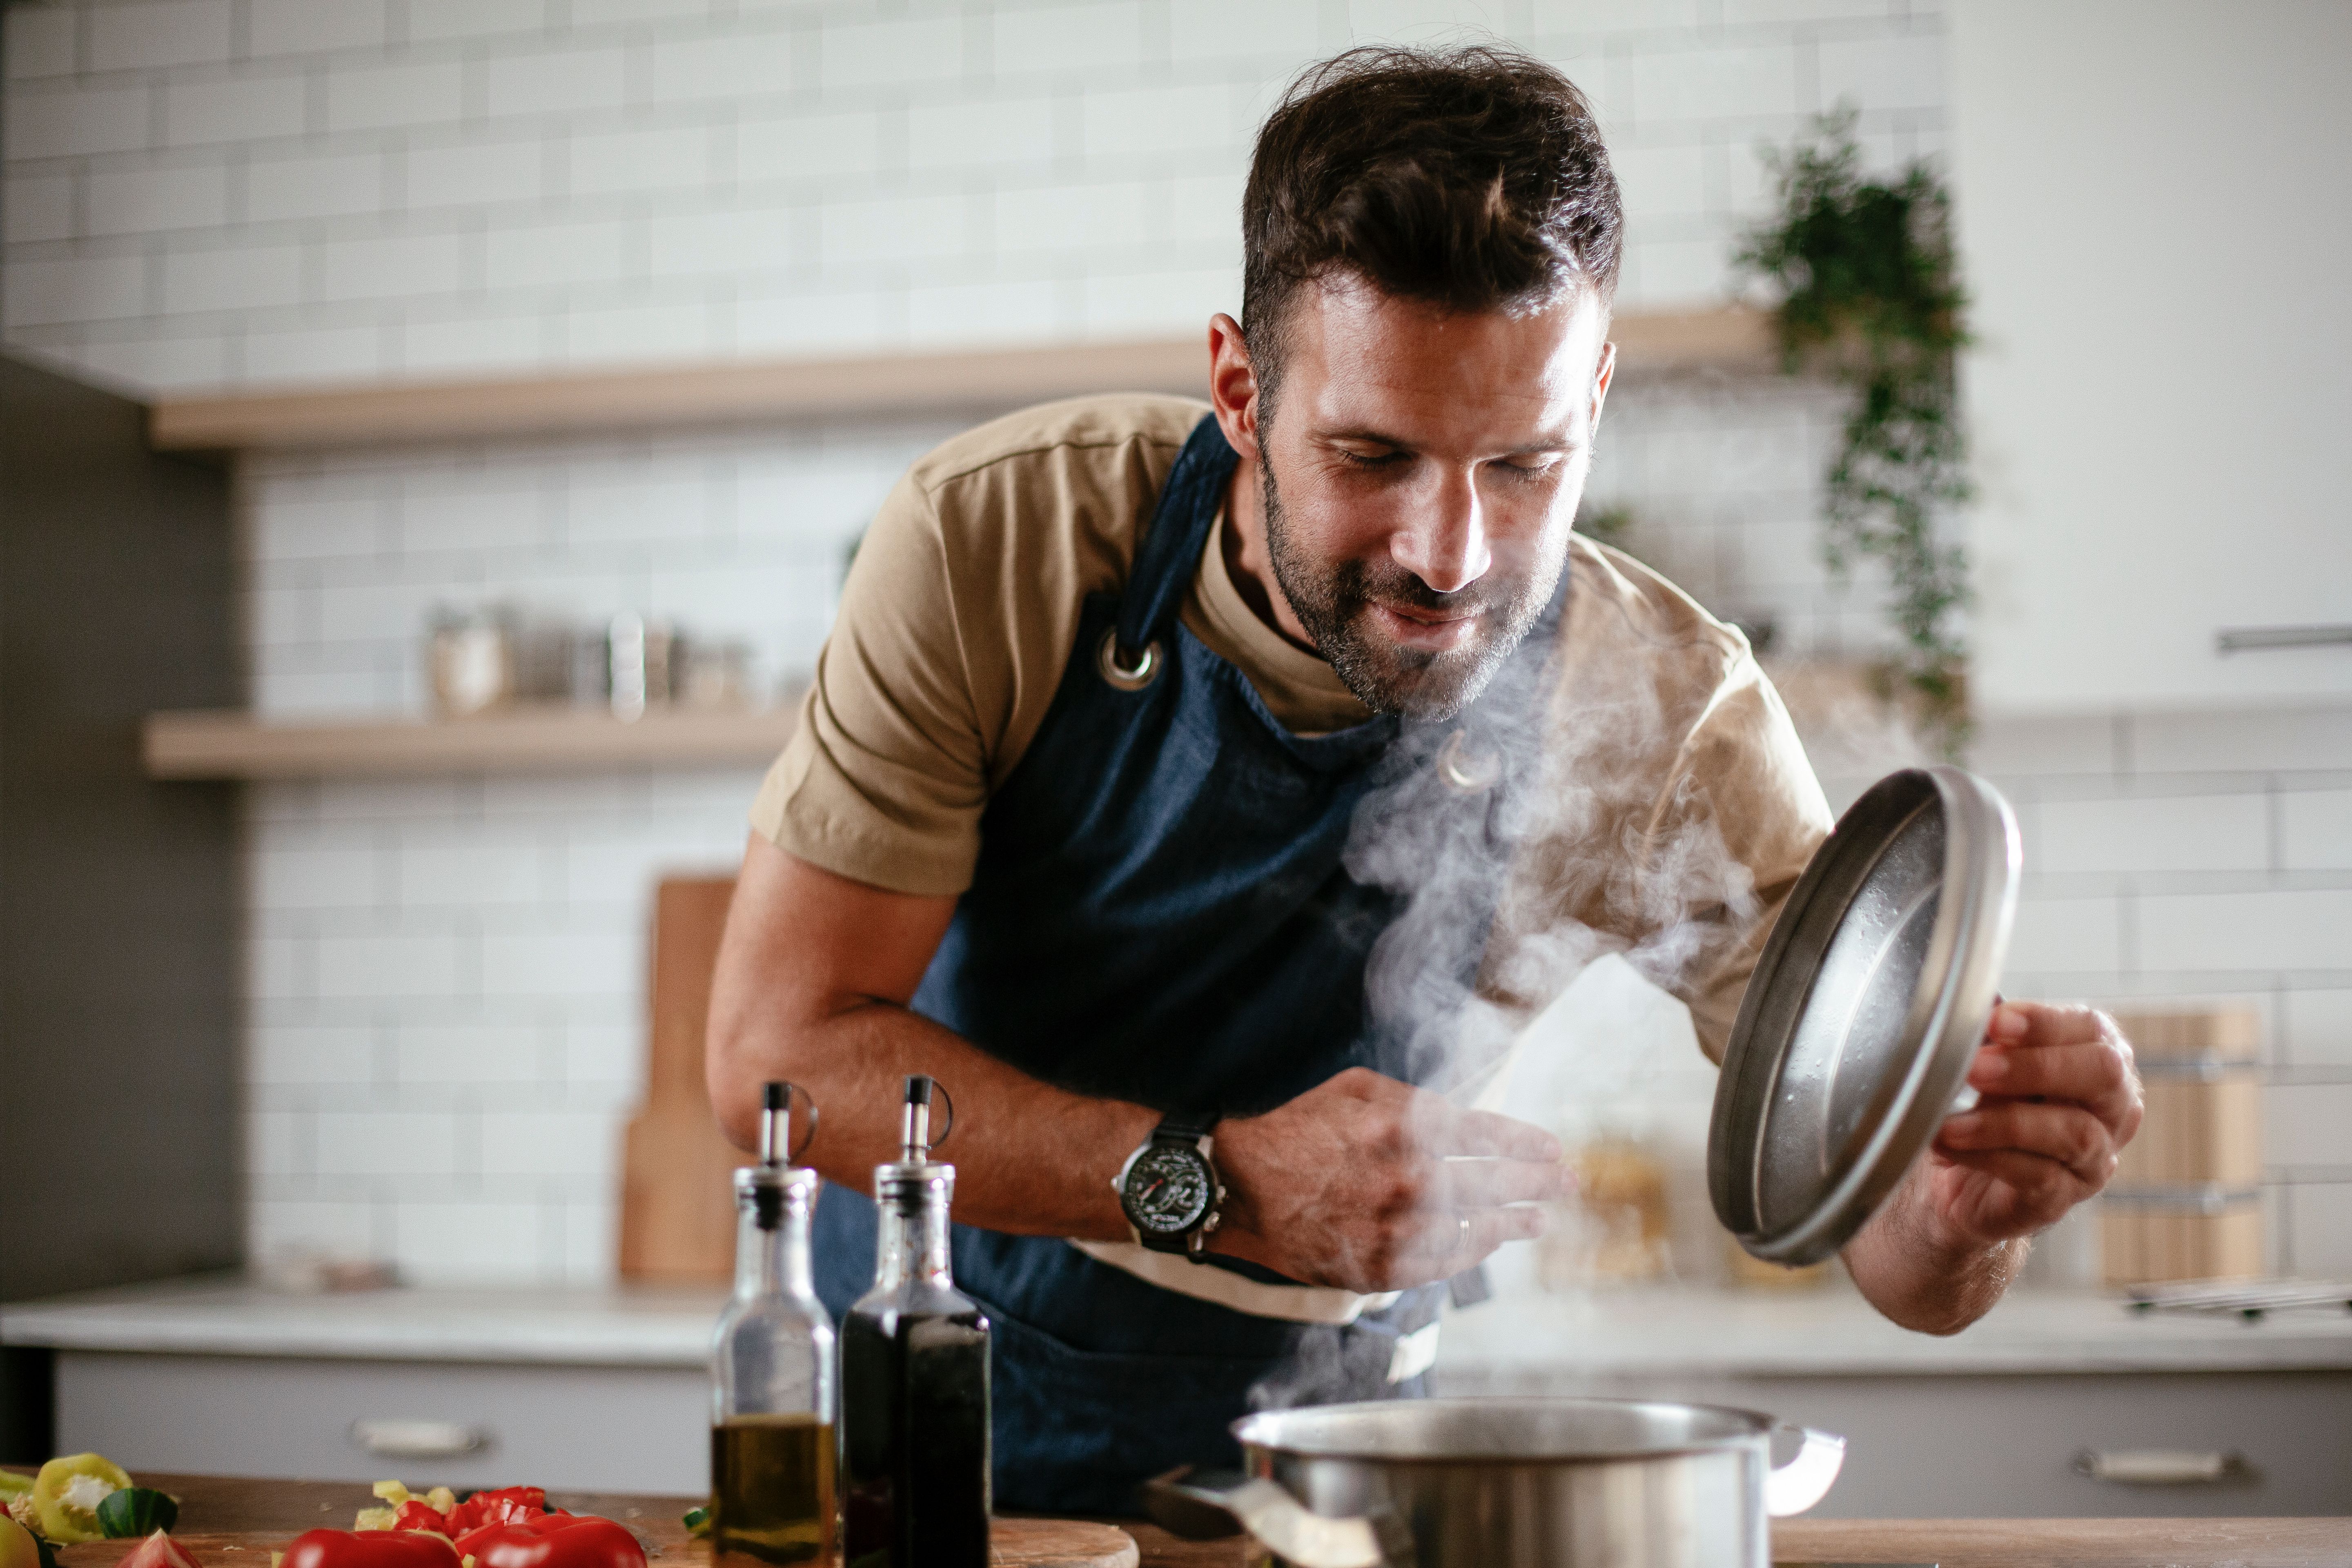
(1233, 385)
(1602, 378)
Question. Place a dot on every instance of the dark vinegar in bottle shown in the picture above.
(914, 1381)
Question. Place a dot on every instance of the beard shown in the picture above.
(1334, 602)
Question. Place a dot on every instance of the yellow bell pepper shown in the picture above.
(66, 1493)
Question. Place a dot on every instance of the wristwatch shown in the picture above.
(1169, 1186)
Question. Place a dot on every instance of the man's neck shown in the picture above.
(1249, 564)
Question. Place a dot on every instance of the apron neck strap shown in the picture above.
(1165, 561)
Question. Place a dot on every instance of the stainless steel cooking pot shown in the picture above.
(1506, 1483)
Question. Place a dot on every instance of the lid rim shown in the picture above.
(1952, 998)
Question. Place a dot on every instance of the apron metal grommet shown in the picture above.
(1127, 676)
(1465, 771)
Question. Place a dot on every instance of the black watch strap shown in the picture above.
(1184, 1127)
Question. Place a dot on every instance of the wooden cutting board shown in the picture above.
(1012, 1544)
(677, 1202)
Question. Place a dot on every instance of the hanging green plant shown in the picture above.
(1870, 295)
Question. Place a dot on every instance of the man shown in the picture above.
(1182, 786)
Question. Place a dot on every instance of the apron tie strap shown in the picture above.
(1188, 503)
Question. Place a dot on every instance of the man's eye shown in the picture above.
(1368, 459)
(1533, 468)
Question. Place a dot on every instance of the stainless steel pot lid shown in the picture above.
(1854, 1037)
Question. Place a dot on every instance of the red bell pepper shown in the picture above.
(553, 1540)
(369, 1549)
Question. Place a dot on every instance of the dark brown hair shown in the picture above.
(1473, 179)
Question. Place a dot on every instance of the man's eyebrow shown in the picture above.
(1541, 441)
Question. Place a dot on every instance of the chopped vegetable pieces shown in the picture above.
(697, 1521)
(159, 1550)
(369, 1549)
(137, 1511)
(66, 1493)
(507, 1527)
(15, 1483)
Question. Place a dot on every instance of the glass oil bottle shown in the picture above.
(773, 1497)
(914, 1378)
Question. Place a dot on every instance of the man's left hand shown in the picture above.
(2060, 1098)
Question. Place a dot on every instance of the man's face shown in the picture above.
(1421, 469)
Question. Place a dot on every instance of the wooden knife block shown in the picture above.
(677, 1202)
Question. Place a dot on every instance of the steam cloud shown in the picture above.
(1595, 845)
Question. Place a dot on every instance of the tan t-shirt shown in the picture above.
(1677, 807)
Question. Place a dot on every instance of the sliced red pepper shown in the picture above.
(418, 1514)
(553, 1540)
(504, 1505)
(369, 1549)
(159, 1550)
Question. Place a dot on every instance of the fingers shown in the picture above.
(1401, 1117)
(2094, 1074)
(1478, 1184)
(1483, 1133)
(1459, 1241)
(2045, 1188)
(2068, 1135)
(2034, 1025)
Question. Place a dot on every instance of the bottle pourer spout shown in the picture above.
(914, 1121)
(775, 1125)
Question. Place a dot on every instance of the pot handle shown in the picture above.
(1205, 1505)
(1807, 1477)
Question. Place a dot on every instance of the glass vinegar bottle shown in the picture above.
(772, 1444)
(914, 1380)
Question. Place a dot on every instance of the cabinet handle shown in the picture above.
(2252, 639)
(419, 1440)
(2157, 1466)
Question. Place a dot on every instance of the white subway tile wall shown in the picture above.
(2196, 859)
(446, 976)
(648, 180)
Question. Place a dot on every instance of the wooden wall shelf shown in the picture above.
(228, 745)
(792, 391)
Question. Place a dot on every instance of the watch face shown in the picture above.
(1167, 1189)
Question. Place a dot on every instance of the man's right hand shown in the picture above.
(1365, 1183)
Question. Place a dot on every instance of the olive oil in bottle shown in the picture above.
(914, 1379)
(772, 1443)
(772, 1486)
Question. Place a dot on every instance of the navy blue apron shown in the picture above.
(1160, 912)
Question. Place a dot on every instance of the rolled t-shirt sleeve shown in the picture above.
(1764, 802)
(885, 776)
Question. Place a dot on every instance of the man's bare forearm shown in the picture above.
(1030, 1159)
(1918, 1276)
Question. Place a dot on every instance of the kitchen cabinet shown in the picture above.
(1968, 1446)
(119, 955)
(2151, 212)
(638, 1428)
(608, 1388)
(1986, 1423)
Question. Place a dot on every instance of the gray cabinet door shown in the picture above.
(1988, 1448)
(564, 1427)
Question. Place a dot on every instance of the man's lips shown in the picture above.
(1431, 631)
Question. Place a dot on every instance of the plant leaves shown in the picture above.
(137, 1511)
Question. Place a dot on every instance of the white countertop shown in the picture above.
(1829, 1332)
(1513, 1342)
(223, 1315)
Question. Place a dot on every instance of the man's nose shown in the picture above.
(1446, 544)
